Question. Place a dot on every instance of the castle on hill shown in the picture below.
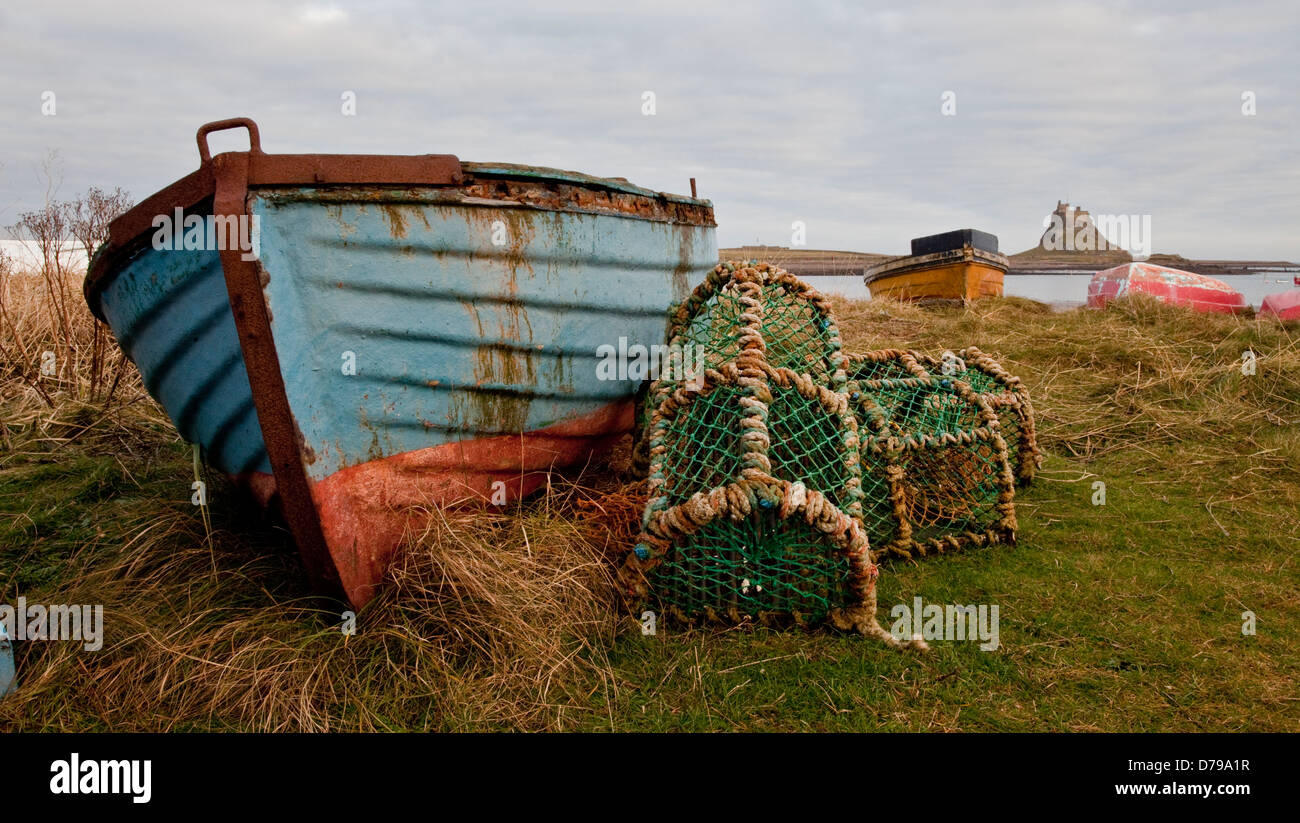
(1071, 229)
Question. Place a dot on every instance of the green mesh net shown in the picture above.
(758, 306)
(761, 566)
(1005, 394)
(935, 470)
(755, 488)
(781, 468)
(754, 307)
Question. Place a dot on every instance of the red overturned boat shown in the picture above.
(1180, 288)
(1283, 306)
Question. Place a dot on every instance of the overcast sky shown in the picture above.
(825, 112)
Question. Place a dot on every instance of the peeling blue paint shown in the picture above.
(465, 317)
(459, 337)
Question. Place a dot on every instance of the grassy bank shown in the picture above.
(1120, 616)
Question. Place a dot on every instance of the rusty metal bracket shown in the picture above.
(279, 431)
(130, 231)
(254, 138)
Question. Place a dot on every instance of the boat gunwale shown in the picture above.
(456, 196)
(129, 232)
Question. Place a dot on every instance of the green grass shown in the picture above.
(1115, 617)
(1107, 622)
(1124, 616)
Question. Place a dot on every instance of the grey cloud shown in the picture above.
(823, 112)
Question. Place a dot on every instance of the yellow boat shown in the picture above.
(954, 266)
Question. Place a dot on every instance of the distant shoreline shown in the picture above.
(830, 263)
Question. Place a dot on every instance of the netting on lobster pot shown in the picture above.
(883, 364)
(752, 306)
(1007, 396)
(866, 371)
(931, 447)
(745, 311)
(754, 491)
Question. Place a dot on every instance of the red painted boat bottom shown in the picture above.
(1284, 306)
(367, 510)
(1181, 288)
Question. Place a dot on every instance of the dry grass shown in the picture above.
(62, 379)
(491, 621)
(1112, 380)
(504, 620)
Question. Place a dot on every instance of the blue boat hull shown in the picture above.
(432, 343)
(404, 326)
